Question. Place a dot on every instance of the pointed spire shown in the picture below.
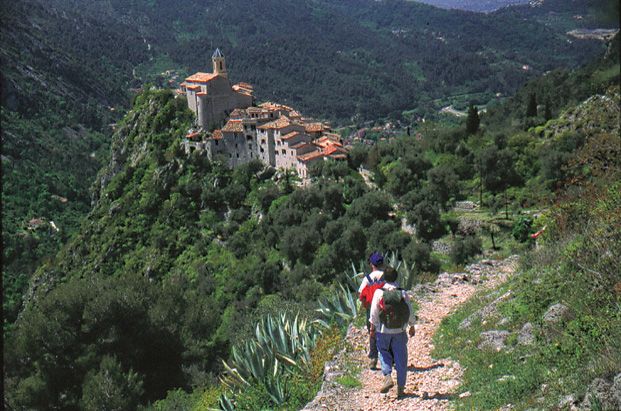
(217, 53)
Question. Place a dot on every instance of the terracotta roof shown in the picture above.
(217, 135)
(290, 135)
(243, 90)
(326, 141)
(330, 150)
(282, 122)
(201, 77)
(332, 136)
(233, 126)
(268, 105)
(193, 88)
(313, 155)
(300, 145)
(193, 134)
(315, 127)
(201, 94)
(245, 85)
(238, 113)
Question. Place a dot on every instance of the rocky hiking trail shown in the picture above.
(431, 383)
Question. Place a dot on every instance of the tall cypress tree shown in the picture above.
(531, 109)
(473, 120)
(548, 111)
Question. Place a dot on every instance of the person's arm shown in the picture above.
(374, 317)
(412, 320)
(363, 284)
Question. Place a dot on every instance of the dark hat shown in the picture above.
(376, 259)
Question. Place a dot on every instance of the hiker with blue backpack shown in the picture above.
(370, 283)
(391, 314)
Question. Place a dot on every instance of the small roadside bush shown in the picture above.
(522, 229)
(464, 248)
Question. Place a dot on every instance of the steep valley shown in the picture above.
(139, 275)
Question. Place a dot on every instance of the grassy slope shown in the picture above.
(564, 360)
(577, 266)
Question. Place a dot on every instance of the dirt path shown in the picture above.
(430, 383)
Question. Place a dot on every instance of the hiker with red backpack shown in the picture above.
(370, 283)
(391, 313)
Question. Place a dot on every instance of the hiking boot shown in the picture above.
(373, 364)
(388, 384)
(400, 391)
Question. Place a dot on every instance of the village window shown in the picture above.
(284, 151)
(248, 138)
(216, 142)
(291, 152)
(263, 151)
(249, 146)
(262, 141)
(253, 127)
(237, 155)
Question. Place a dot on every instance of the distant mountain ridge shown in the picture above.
(398, 55)
(474, 5)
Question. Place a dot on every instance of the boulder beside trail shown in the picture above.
(494, 339)
(526, 335)
(603, 394)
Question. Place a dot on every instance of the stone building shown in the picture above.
(275, 134)
(210, 95)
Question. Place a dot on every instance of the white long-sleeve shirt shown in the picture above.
(375, 311)
(375, 275)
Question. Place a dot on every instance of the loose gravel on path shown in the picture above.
(430, 383)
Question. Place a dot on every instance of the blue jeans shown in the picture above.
(393, 348)
(372, 340)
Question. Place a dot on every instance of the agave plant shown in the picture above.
(405, 271)
(282, 344)
(341, 307)
(224, 404)
(276, 390)
(291, 339)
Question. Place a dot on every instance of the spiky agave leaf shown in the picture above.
(276, 390)
(340, 307)
(224, 404)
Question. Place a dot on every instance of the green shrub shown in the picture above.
(464, 248)
(522, 229)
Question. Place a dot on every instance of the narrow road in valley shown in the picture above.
(431, 383)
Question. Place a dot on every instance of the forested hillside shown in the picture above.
(68, 67)
(181, 257)
(398, 55)
(64, 76)
(168, 261)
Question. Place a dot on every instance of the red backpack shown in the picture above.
(366, 296)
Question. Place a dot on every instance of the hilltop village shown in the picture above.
(276, 134)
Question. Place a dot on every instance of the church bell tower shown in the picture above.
(219, 65)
